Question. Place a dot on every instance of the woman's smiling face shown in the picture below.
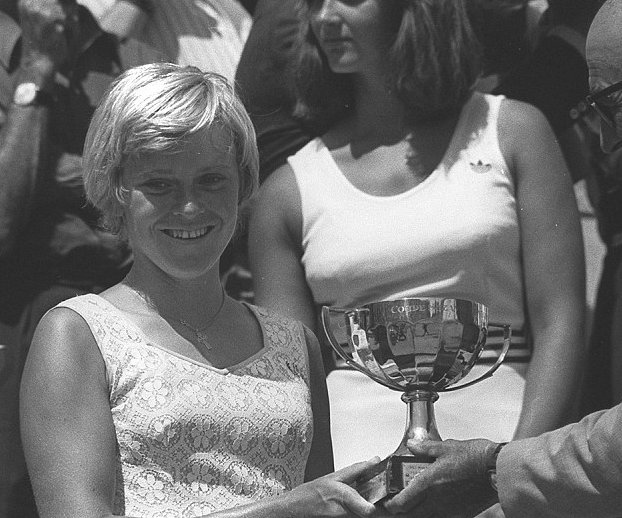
(182, 206)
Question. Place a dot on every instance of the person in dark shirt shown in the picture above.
(554, 76)
(262, 82)
(55, 64)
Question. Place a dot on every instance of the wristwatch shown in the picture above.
(491, 465)
(29, 94)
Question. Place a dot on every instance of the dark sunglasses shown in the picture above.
(605, 111)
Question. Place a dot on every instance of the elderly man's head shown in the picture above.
(604, 59)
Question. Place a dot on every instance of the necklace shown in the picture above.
(199, 333)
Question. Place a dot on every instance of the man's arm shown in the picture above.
(24, 136)
(571, 472)
(575, 471)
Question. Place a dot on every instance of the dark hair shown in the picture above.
(434, 56)
(567, 11)
(501, 27)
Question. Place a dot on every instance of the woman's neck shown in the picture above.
(190, 299)
(378, 110)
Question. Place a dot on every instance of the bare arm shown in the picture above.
(573, 471)
(67, 428)
(23, 138)
(275, 249)
(553, 266)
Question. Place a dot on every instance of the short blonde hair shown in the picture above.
(152, 108)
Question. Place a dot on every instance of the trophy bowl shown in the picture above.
(417, 346)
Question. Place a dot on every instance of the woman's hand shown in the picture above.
(333, 496)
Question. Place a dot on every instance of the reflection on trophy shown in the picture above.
(418, 346)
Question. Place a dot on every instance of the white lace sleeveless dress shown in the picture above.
(193, 439)
(456, 234)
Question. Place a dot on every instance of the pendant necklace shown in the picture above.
(200, 333)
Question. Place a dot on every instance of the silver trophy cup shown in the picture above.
(418, 346)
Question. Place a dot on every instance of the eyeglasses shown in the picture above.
(605, 111)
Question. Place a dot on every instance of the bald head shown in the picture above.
(604, 41)
(603, 51)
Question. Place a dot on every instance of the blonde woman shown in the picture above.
(162, 396)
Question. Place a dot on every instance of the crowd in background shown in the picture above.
(317, 122)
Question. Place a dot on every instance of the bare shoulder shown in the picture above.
(65, 322)
(524, 134)
(280, 187)
(63, 344)
(278, 205)
(517, 116)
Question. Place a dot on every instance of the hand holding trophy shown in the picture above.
(418, 346)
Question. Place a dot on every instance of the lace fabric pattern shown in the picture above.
(193, 439)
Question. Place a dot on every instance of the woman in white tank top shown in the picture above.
(421, 187)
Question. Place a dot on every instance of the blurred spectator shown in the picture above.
(554, 76)
(535, 10)
(208, 34)
(501, 26)
(262, 82)
(555, 79)
(53, 70)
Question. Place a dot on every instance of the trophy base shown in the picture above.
(389, 477)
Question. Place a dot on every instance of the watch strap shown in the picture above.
(491, 465)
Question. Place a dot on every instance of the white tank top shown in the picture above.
(456, 234)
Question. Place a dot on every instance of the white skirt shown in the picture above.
(368, 420)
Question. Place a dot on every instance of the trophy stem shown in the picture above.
(421, 423)
(403, 466)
